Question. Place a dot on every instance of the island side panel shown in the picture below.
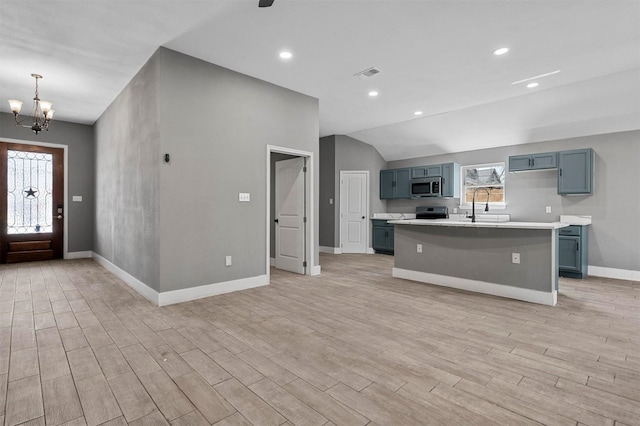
(480, 254)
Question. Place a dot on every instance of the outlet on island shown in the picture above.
(419, 248)
(515, 257)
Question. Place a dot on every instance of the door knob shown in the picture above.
(275, 220)
(59, 216)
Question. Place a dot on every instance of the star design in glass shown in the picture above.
(31, 193)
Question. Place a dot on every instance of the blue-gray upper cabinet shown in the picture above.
(575, 172)
(451, 180)
(395, 183)
(426, 171)
(546, 160)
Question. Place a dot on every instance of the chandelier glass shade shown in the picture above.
(42, 112)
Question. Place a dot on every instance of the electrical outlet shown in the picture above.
(330, 200)
(244, 196)
(515, 257)
(548, 209)
(419, 248)
(227, 261)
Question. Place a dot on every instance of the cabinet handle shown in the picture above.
(577, 246)
(560, 170)
(529, 162)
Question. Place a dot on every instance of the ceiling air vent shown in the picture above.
(370, 72)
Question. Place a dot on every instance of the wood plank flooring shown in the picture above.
(353, 346)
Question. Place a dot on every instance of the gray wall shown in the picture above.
(614, 236)
(127, 161)
(345, 153)
(79, 140)
(216, 124)
(171, 225)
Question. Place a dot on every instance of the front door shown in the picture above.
(31, 202)
(354, 206)
(290, 212)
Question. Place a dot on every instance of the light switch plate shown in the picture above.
(548, 209)
(244, 196)
(77, 198)
(227, 261)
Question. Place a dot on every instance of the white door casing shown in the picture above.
(290, 213)
(354, 211)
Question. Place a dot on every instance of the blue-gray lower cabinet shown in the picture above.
(572, 248)
(382, 241)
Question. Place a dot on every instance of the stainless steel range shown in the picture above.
(436, 212)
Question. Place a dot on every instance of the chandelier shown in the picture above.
(42, 112)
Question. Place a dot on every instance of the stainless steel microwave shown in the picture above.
(426, 187)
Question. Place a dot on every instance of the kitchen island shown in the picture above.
(480, 256)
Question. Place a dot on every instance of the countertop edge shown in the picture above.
(507, 225)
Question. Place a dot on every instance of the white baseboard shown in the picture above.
(534, 296)
(79, 255)
(193, 293)
(184, 295)
(618, 274)
(315, 270)
(330, 250)
(371, 251)
(140, 287)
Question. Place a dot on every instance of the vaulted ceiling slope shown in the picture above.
(434, 56)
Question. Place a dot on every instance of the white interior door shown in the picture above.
(290, 212)
(354, 211)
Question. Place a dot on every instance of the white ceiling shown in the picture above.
(435, 56)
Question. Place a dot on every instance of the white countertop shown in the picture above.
(468, 224)
(575, 219)
(393, 216)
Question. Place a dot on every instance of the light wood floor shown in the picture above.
(350, 347)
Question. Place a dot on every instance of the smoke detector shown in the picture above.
(369, 72)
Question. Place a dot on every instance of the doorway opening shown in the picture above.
(290, 211)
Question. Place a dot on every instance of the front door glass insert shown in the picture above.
(29, 192)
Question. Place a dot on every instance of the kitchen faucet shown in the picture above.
(473, 202)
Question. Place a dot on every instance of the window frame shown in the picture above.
(492, 204)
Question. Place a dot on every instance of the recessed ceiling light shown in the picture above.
(532, 85)
(373, 93)
(417, 113)
(286, 55)
(501, 51)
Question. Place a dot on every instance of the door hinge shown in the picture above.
(304, 219)
(304, 264)
(304, 169)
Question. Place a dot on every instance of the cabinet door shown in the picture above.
(379, 238)
(387, 184)
(390, 238)
(519, 163)
(575, 172)
(451, 180)
(418, 172)
(403, 183)
(548, 160)
(435, 170)
(569, 248)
